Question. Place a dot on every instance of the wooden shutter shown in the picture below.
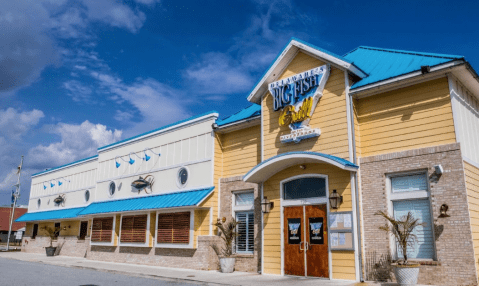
(102, 229)
(133, 228)
(174, 228)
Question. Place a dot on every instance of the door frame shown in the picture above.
(301, 202)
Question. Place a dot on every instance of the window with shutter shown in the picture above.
(174, 228)
(133, 229)
(245, 229)
(102, 229)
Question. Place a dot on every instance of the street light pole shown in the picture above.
(16, 195)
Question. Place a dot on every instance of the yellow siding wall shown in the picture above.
(342, 261)
(28, 229)
(117, 230)
(72, 228)
(241, 151)
(330, 116)
(202, 224)
(151, 233)
(472, 185)
(409, 118)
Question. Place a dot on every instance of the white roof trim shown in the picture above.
(288, 54)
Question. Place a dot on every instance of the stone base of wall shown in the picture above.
(66, 245)
(454, 261)
(201, 258)
(244, 263)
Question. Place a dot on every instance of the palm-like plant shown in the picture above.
(402, 229)
(52, 233)
(228, 234)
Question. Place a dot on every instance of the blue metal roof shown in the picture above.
(171, 200)
(50, 215)
(341, 161)
(158, 129)
(382, 64)
(66, 165)
(248, 112)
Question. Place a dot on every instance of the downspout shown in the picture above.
(358, 215)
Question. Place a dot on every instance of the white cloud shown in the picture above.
(77, 142)
(14, 124)
(157, 104)
(238, 68)
(78, 91)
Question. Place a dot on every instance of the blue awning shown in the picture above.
(170, 200)
(50, 215)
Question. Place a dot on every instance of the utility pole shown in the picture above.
(16, 195)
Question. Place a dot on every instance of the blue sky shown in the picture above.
(77, 75)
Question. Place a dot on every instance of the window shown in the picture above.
(39, 202)
(112, 189)
(182, 179)
(83, 230)
(133, 229)
(87, 196)
(244, 213)
(304, 188)
(35, 231)
(102, 229)
(245, 239)
(174, 228)
(409, 193)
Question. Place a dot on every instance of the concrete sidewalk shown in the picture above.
(176, 274)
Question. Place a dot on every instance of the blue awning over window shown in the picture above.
(171, 200)
(50, 215)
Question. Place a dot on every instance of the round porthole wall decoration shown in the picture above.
(87, 196)
(112, 189)
(182, 178)
(39, 202)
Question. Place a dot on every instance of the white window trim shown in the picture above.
(403, 196)
(176, 245)
(243, 208)
(110, 195)
(112, 242)
(236, 245)
(136, 244)
(178, 182)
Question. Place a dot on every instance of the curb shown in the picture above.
(152, 276)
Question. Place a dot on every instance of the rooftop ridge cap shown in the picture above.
(424, 54)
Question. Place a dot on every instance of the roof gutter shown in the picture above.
(435, 71)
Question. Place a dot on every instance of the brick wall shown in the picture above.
(453, 238)
(244, 262)
(66, 245)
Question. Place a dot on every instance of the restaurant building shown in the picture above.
(328, 141)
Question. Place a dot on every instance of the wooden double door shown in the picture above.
(306, 241)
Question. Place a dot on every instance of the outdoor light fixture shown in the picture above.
(44, 187)
(443, 211)
(52, 184)
(425, 69)
(266, 205)
(302, 167)
(335, 200)
(438, 169)
(146, 155)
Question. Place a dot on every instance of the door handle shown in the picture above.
(306, 246)
(300, 245)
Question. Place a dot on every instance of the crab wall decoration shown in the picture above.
(60, 200)
(143, 184)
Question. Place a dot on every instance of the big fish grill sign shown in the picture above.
(296, 98)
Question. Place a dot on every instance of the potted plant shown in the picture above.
(402, 229)
(52, 234)
(228, 234)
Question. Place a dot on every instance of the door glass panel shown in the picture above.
(294, 230)
(316, 234)
(305, 188)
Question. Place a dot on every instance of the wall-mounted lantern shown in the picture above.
(266, 205)
(443, 211)
(335, 200)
